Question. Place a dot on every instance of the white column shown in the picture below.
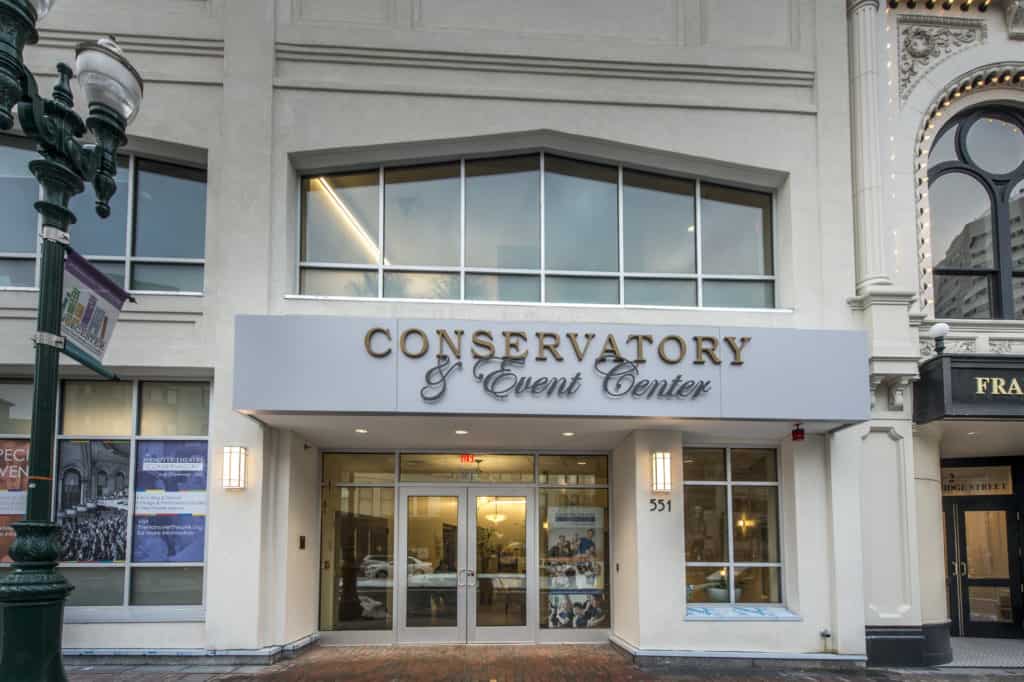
(867, 166)
(845, 527)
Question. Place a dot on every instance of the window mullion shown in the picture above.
(620, 232)
(462, 229)
(543, 239)
(728, 526)
(699, 231)
(1004, 276)
(130, 521)
(130, 228)
(380, 232)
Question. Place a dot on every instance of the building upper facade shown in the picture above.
(683, 163)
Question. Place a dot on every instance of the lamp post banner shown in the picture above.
(90, 306)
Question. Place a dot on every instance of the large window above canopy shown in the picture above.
(535, 228)
(974, 215)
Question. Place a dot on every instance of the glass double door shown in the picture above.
(983, 568)
(467, 564)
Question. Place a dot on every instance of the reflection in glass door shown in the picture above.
(983, 571)
(501, 567)
(432, 565)
(466, 565)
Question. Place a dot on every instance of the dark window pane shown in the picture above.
(112, 269)
(573, 469)
(658, 223)
(674, 292)
(492, 468)
(755, 518)
(944, 148)
(167, 277)
(961, 223)
(503, 213)
(95, 236)
(170, 211)
(707, 584)
(338, 282)
(703, 464)
(754, 465)
(737, 294)
(17, 272)
(706, 518)
(92, 511)
(581, 215)
(95, 586)
(582, 290)
(421, 215)
(362, 468)
(758, 585)
(502, 288)
(1016, 214)
(963, 297)
(339, 218)
(357, 562)
(167, 586)
(1018, 298)
(441, 285)
(995, 144)
(15, 407)
(18, 194)
(736, 231)
(573, 539)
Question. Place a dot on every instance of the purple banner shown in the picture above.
(90, 306)
(170, 501)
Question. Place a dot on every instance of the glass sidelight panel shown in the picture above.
(501, 561)
(357, 569)
(990, 604)
(987, 544)
(433, 558)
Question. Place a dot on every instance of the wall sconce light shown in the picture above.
(661, 472)
(234, 467)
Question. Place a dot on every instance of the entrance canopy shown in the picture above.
(309, 365)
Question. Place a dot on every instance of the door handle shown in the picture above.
(963, 569)
(470, 575)
(459, 582)
(956, 572)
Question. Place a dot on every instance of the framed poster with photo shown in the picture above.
(92, 499)
(574, 556)
(170, 501)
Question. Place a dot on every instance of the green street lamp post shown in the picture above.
(32, 595)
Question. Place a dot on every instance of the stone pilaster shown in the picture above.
(867, 165)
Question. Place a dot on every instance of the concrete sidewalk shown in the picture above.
(562, 663)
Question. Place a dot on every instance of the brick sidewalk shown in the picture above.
(564, 663)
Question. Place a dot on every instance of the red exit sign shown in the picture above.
(467, 459)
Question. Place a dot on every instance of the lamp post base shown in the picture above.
(32, 606)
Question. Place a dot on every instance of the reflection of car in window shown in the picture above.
(379, 566)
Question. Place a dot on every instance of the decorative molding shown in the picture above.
(924, 41)
(897, 394)
(425, 59)
(927, 347)
(1015, 18)
(1005, 345)
(137, 43)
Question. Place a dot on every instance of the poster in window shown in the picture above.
(92, 499)
(574, 556)
(170, 501)
(13, 490)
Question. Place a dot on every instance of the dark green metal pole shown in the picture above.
(33, 595)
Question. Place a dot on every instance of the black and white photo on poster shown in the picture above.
(577, 610)
(92, 499)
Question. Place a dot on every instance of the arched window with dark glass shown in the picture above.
(70, 490)
(976, 204)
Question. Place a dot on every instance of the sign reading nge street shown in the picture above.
(341, 364)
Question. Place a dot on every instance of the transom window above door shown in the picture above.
(974, 214)
(535, 228)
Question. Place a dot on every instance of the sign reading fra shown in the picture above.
(505, 365)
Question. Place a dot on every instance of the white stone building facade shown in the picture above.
(334, 211)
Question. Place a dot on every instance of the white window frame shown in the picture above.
(542, 272)
(730, 562)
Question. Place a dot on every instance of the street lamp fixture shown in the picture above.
(32, 595)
